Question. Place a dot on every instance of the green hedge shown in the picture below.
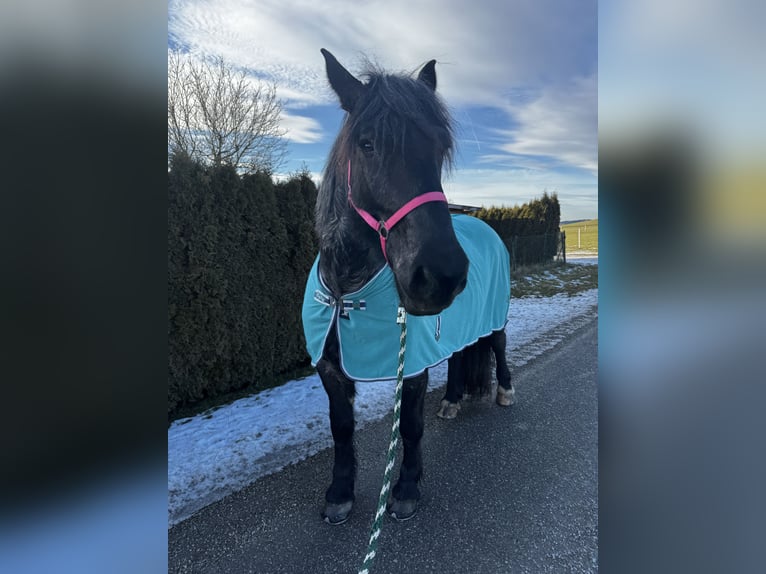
(530, 231)
(239, 252)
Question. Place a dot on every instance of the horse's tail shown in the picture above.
(477, 367)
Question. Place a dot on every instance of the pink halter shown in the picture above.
(383, 227)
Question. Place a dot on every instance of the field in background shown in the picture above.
(588, 235)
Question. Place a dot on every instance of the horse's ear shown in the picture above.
(428, 74)
(348, 88)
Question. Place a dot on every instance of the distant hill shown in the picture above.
(573, 221)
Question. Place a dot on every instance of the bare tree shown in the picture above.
(219, 116)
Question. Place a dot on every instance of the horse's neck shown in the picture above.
(350, 254)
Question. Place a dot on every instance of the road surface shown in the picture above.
(505, 490)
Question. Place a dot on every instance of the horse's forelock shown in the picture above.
(395, 104)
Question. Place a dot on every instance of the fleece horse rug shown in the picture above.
(365, 320)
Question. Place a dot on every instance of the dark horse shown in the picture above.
(380, 207)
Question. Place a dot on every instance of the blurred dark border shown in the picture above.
(83, 292)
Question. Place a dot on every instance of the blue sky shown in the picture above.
(520, 78)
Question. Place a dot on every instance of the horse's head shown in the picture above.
(395, 142)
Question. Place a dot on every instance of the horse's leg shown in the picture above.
(506, 394)
(404, 503)
(340, 391)
(450, 404)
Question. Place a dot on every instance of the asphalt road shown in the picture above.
(505, 490)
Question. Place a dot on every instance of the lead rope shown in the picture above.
(377, 525)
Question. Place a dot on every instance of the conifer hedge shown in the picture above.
(530, 231)
(239, 252)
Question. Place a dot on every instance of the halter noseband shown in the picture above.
(383, 227)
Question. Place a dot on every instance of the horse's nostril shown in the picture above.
(433, 285)
(420, 277)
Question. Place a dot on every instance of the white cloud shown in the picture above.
(482, 52)
(560, 124)
(301, 129)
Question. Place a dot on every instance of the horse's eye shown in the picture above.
(367, 147)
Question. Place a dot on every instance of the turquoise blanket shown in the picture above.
(365, 321)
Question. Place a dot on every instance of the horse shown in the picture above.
(387, 240)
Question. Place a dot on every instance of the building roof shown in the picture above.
(456, 208)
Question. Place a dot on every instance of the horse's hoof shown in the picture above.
(401, 510)
(505, 397)
(337, 513)
(448, 410)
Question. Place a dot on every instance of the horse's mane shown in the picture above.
(393, 106)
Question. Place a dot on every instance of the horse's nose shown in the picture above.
(436, 284)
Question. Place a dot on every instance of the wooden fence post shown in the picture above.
(564, 245)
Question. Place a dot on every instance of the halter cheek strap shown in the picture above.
(384, 226)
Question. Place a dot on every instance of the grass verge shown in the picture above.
(553, 279)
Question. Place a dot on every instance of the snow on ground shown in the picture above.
(583, 258)
(215, 454)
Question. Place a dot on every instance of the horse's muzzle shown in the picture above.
(432, 287)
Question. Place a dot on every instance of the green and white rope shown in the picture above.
(377, 524)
